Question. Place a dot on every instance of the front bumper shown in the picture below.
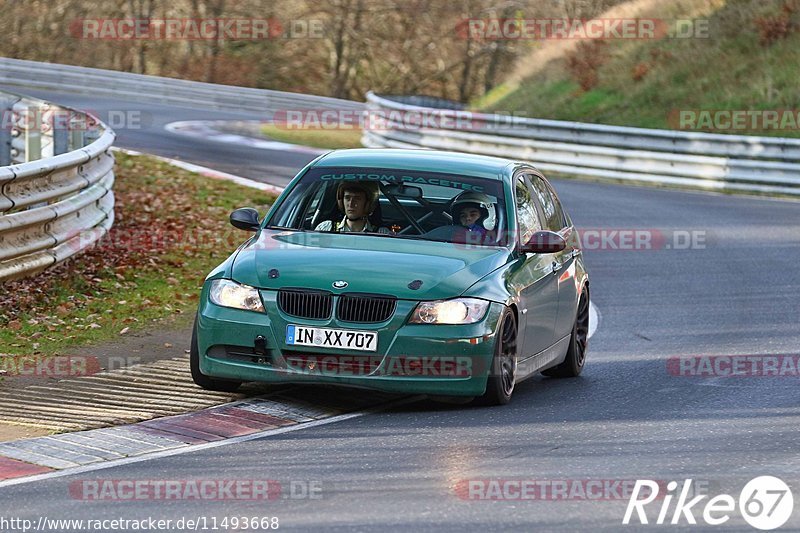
(452, 360)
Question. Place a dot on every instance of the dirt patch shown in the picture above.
(170, 338)
(13, 432)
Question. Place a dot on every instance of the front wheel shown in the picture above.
(219, 385)
(579, 340)
(502, 375)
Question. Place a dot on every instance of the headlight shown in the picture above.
(228, 293)
(458, 311)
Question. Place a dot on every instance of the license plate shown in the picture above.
(346, 339)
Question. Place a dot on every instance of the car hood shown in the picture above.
(372, 264)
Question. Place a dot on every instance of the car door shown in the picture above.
(533, 280)
(563, 262)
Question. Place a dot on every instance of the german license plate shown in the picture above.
(346, 339)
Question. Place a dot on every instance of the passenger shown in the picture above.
(357, 200)
(470, 210)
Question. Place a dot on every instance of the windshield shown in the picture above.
(396, 204)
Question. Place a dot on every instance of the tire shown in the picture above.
(578, 343)
(502, 374)
(219, 385)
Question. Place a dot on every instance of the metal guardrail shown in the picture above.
(56, 195)
(56, 179)
(154, 89)
(766, 165)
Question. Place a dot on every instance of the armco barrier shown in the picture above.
(56, 196)
(156, 89)
(766, 165)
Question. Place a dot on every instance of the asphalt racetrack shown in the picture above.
(713, 277)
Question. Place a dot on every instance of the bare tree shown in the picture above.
(389, 46)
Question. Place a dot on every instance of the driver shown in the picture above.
(470, 210)
(357, 200)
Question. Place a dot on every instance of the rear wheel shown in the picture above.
(578, 343)
(219, 385)
(502, 375)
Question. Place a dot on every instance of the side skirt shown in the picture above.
(547, 358)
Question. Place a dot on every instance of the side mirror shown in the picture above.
(245, 218)
(544, 242)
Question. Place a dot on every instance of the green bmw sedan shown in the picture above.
(407, 271)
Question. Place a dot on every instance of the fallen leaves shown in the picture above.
(169, 231)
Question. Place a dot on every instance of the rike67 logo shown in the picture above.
(765, 503)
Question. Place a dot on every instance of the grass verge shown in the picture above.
(318, 138)
(171, 228)
(740, 64)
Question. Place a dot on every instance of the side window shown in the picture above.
(527, 219)
(312, 210)
(551, 208)
(561, 216)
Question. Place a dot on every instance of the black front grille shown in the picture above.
(365, 308)
(305, 304)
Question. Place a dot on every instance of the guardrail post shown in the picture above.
(6, 125)
(33, 133)
(77, 131)
(61, 132)
(91, 135)
(33, 145)
(18, 114)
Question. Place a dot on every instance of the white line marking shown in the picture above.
(208, 172)
(178, 451)
(204, 129)
(594, 319)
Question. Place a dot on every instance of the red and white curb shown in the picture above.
(54, 456)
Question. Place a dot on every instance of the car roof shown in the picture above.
(425, 160)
